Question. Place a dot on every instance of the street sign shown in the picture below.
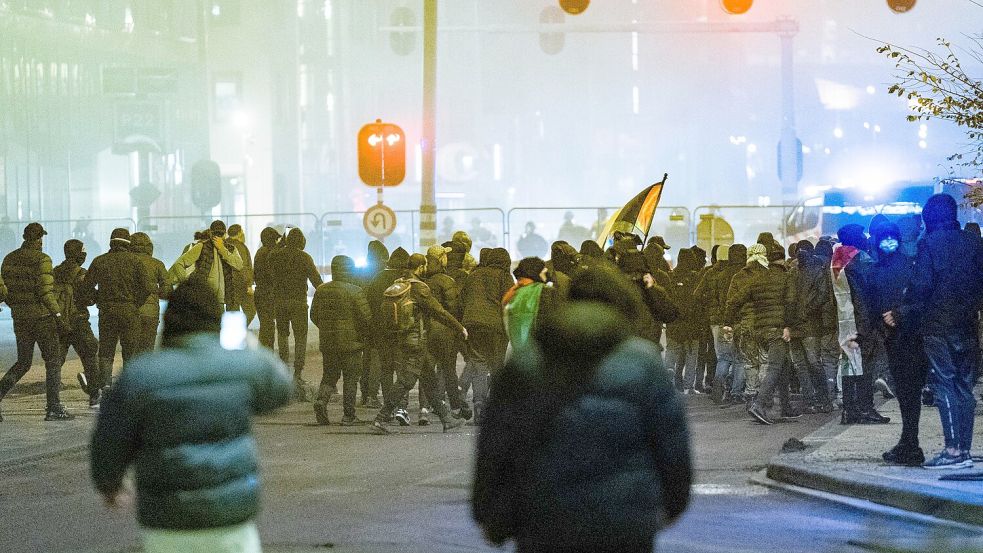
(901, 6)
(381, 154)
(379, 221)
(138, 127)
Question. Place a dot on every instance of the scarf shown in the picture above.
(758, 254)
(842, 257)
(523, 281)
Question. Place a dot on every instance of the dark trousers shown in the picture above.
(443, 351)
(486, 355)
(906, 358)
(267, 321)
(371, 367)
(340, 365)
(811, 375)
(388, 349)
(43, 332)
(292, 315)
(148, 332)
(118, 324)
(86, 345)
(412, 365)
(953, 360)
(773, 351)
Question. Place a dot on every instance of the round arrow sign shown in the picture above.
(379, 221)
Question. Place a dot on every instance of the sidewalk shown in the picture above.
(846, 460)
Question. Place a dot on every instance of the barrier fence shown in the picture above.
(524, 231)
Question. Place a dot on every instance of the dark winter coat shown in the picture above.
(482, 293)
(819, 301)
(764, 292)
(244, 278)
(719, 285)
(119, 278)
(682, 288)
(946, 293)
(263, 271)
(584, 445)
(891, 277)
(144, 249)
(431, 312)
(340, 311)
(446, 290)
(374, 292)
(293, 268)
(182, 417)
(30, 283)
(707, 294)
(69, 273)
(802, 319)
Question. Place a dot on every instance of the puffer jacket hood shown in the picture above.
(564, 257)
(499, 258)
(342, 268)
(269, 237)
(398, 259)
(738, 255)
(296, 239)
(589, 248)
(141, 243)
(377, 255)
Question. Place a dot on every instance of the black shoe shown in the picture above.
(928, 397)
(465, 413)
(873, 417)
(349, 421)
(759, 414)
(58, 413)
(424, 418)
(849, 417)
(904, 456)
(321, 413)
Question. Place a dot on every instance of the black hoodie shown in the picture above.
(294, 268)
(483, 290)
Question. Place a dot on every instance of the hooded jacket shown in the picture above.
(719, 283)
(294, 269)
(30, 283)
(215, 265)
(764, 293)
(444, 288)
(143, 247)
(376, 258)
(482, 293)
(119, 278)
(374, 293)
(263, 272)
(584, 442)
(682, 286)
(945, 294)
(891, 276)
(340, 311)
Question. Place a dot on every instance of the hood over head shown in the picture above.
(269, 237)
(940, 210)
(530, 268)
(564, 257)
(852, 235)
(738, 254)
(589, 248)
(634, 264)
(191, 308)
(463, 238)
(140, 242)
(296, 239)
(377, 255)
(342, 268)
(398, 259)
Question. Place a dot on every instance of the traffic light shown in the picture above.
(206, 184)
(574, 7)
(402, 42)
(736, 7)
(551, 43)
(381, 154)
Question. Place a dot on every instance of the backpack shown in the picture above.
(64, 290)
(399, 311)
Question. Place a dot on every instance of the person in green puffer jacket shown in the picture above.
(181, 417)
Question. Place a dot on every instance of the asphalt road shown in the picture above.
(345, 489)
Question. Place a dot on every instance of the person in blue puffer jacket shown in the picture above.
(181, 416)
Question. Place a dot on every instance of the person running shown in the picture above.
(69, 276)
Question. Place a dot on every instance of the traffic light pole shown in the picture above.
(428, 145)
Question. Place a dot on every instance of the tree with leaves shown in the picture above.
(937, 86)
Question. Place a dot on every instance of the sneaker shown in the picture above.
(321, 413)
(349, 421)
(424, 419)
(402, 417)
(881, 386)
(450, 423)
(904, 456)
(59, 413)
(380, 428)
(944, 461)
(873, 417)
(759, 414)
(95, 399)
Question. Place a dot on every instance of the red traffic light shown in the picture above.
(736, 7)
(381, 154)
(574, 7)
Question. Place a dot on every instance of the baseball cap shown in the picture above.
(34, 231)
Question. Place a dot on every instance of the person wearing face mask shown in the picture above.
(68, 279)
(906, 357)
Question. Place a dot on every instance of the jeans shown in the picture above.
(344, 365)
(443, 345)
(727, 361)
(773, 350)
(292, 315)
(43, 332)
(486, 355)
(811, 375)
(823, 353)
(953, 360)
(681, 361)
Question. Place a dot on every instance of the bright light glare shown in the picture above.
(374, 139)
(361, 262)
(922, 144)
(838, 132)
(871, 90)
(241, 119)
(392, 139)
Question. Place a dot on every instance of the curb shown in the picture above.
(917, 499)
(13, 462)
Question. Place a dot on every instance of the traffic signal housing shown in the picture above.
(381, 154)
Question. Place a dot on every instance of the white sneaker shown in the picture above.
(402, 417)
